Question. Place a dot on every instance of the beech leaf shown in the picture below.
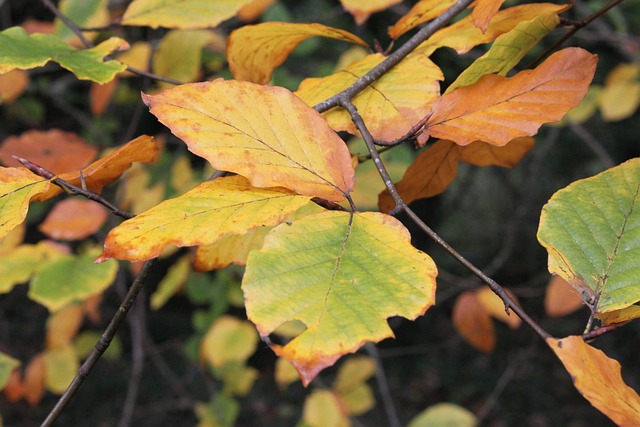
(83, 13)
(421, 12)
(444, 415)
(185, 14)
(340, 274)
(390, 106)
(264, 133)
(254, 51)
(23, 51)
(597, 377)
(473, 323)
(60, 367)
(362, 10)
(228, 340)
(17, 187)
(7, 365)
(484, 11)
(23, 262)
(73, 219)
(13, 84)
(560, 299)
(498, 109)
(591, 230)
(200, 217)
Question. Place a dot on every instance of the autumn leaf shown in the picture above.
(484, 11)
(7, 365)
(24, 51)
(498, 109)
(351, 384)
(473, 323)
(254, 9)
(254, 51)
(83, 13)
(436, 167)
(597, 377)
(341, 274)
(591, 231)
(619, 316)
(100, 96)
(34, 380)
(390, 106)
(19, 265)
(137, 57)
(185, 14)
(228, 339)
(63, 326)
(324, 408)
(443, 415)
(175, 278)
(263, 133)
(200, 217)
(73, 219)
(560, 298)
(421, 12)
(362, 10)
(17, 187)
(620, 96)
(494, 305)
(12, 85)
(55, 150)
(60, 366)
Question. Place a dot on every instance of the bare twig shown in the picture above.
(503, 381)
(593, 144)
(101, 346)
(383, 386)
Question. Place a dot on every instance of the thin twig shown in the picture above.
(101, 346)
(413, 133)
(383, 386)
(394, 58)
(503, 381)
(73, 189)
(593, 144)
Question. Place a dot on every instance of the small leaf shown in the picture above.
(70, 279)
(444, 415)
(185, 14)
(24, 261)
(484, 11)
(264, 133)
(60, 367)
(560, 298)
(34, 380)
(254, 51)
(24, 51)
(63, 326)
(362, 10)
(222, 411)
(12, 85)
(340, 274)
(498, 109)
(7, 365)
(199, 217)
(227, 340)
(495, 307)
(597, 377)
(421, 12)
(324, 408)
(591, 230)
(100, 96)
(620, 96)
(390, 106)
(473, 323)
(253, 10)
(137, 57)
(83, 13)
(285, 373)
(350, 384)
(175, 278)
(73, 219)
(17, 187)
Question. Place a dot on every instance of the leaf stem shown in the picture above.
(101, 346)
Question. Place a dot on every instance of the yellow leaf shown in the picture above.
(498, 109)
(494, 306)
(12, 240)
(175, 278)
(483, 12)
(619, 316)
(560, 298)
(17, 187)
(597, 377)
(351, 386)
(341, 275)
(421, 12)
(23, 262)
(473, 323)
(254, 9)
(60, 366)
(227, 340)
(362, 10)
(322, 408)
(200, 217)
(390, 106)
(444, 415)
(137, 57)
(229, 249)
(285, 373)
(185, 14)
(619, 101)
(264, 133)
(63, 326)
(254, 51)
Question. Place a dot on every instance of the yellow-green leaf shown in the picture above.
(60, 366)
(620, 96)
(390, 106)
(254, 51)
(23, 51)
(71, 278)
(7, 365)
(444, 415)
(175, 278)
(83, 13)
(340, 274)
(24, 261)
(508, 50)
(264, 133)
(591, 230)
(17, 187)
(323, 408)
(185, 14)
(228, 339)
(351, 384)
(200, 217)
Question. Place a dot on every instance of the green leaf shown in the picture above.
(24, 261)
(222, 411)
(83, 13)
(591, 230)
(175, 278)
(444, 415)
(71, 278)
(23, 51)
(7, 365)
(17, 187)
(340, 274)
(228, 339)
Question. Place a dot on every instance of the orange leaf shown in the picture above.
(597, 377)
(252, 11)
(498, 109)
(109, 168)
(73, 219)
(561, 298)
(12, 85)
(263, 133)
(14, 389)
(34, 380)
(54, 150)
(63, 326)
(361, 10)
(100, 95)
(473, 323)
(494, 306)
(484, 12)
(421, 12)
(482, 154)
(253, 51)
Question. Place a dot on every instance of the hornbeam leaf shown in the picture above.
(498, 109)
(264, 133)
(342, 275)
(390, 106)
(591, 230)
(597, 377)
(23, 51)
(253, 51)
(185, 14)
(200, 217)
(17, 187)
(361, 10)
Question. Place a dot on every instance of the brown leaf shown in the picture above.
(34, 380)
(561, 298)
(55, 150)
(498, 109)
(597, 377)
(14, 389)
(74, 219)
(473, 323)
